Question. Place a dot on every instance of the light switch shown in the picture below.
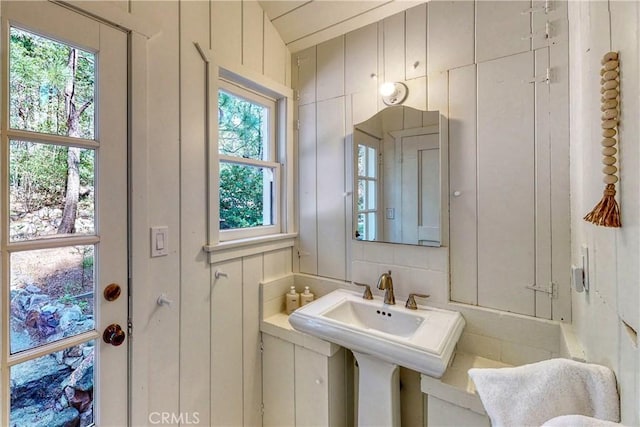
(159, 241)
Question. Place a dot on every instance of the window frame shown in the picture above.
(271, 154)
(216, 68)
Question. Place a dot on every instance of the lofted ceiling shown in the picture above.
(306, 23)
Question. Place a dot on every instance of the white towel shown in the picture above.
(529, 395)
(578, 421)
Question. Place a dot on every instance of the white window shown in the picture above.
(367, 186)
(249, 173)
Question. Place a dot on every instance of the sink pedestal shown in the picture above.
(378, 392)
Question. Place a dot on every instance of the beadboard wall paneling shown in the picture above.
(506, 189)
(606, 319)
(450, 35)
(462, 181)
(209, 321)
(503, 143)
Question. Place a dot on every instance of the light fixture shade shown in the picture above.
(393, 93)
(387, 88)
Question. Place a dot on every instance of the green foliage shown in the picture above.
(240, 127)
(241, 190)
(38, 172)
(241, 133)
(38, 73)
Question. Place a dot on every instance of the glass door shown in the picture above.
(64, 218)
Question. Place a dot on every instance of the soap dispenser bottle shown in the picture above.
(306, 297)
(293, 300)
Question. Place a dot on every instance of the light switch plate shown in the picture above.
(159, 241)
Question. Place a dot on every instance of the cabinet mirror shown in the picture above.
(398, 164)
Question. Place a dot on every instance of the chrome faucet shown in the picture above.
(385, 282)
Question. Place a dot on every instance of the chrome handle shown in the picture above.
(367, 290)
(411, 301)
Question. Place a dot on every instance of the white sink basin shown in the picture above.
(422, 340)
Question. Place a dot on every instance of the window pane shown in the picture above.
(51, 295)
(362, 159)
(51, 190)
(51, 86)
(360, 233)
(371, 162)
(361, 194)
(246, 196)
(242, 127)
(371, 195)
(371, 226)
(54, 390)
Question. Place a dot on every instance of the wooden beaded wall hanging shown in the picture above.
(607, 212)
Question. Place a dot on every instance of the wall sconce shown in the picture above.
(393, 93)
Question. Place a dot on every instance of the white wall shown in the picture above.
(607, 318)
(202, 353)
(507, 141)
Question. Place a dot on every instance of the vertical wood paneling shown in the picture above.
(305, 63)
(349, 184)
(542, 185)
(462, 176)
(502, 28)
(195, 326)
(560, 182)
(252, 268)
(381, 77)
(506, 189)
(330, 69)
(337, 384)
(330, 188)
(438, 100)
(311, 388)
(361, 60)
(307, 190)
(275, 53)
(624, 38)
(450, 35)
(558, 21)
(277, 263)
(288, 75)
(278, 381)
(155, 328)
(252, 35)
(394, 57)
(417, 97)
(226, 320)
(416, 42)
(363, 106)
(226, 33)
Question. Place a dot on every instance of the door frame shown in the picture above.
(138, 32)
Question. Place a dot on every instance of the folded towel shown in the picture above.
(529, 395)
(578, 421)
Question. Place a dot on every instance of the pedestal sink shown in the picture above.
(382, 337)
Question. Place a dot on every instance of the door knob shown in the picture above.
(113, 335)
(112, 292)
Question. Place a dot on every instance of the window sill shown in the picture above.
(224, 251)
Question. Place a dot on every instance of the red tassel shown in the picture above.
(606, 213)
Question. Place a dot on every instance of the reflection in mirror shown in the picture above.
(398, 177)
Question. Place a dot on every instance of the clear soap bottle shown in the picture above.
(306, 296)
(292, 299)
